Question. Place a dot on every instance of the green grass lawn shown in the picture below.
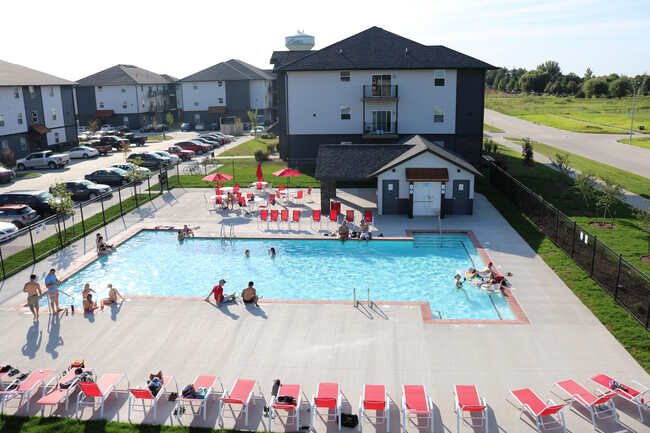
(632, 182)
(637, 141)
(569, 124)
(249, 147)
(490, 128)
(601, 112)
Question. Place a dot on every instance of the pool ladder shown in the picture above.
(354, 297)
(231, 232)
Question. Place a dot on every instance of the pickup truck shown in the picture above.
(45, 158)
(117, 142)
(184, 155)
(103, 149)
(138, 140)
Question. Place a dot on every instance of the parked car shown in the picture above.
(7, 231)
(85, 136)
(214, 126)
(198, 148)
(215, 138)
(117, 142)
(259, 129)
(160, 127)
(150, 160)
(6, 175)
(18, 214)
(46, 158)
(199, 127)
(85, 189)
(127, 166)
(84, 152)
(107, 127)
(147, 128)
(102, 149)
(109, 176)
(123, 128)
(175, 158)
(81, 129)
(138, 140)
(210, 144)
(187, 127)
(221, 134)
(184, 155)
(36, 199)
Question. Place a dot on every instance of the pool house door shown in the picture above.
(390, 197)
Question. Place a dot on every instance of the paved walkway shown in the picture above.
(307, 343)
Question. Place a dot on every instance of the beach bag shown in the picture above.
(349, 420)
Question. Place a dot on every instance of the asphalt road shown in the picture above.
(599, 147)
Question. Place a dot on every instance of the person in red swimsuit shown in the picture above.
(219, 297)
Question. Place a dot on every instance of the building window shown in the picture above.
(221, 100)
(123, 104)
(344, 76)
(35, 116)
(125, 120)
(32, 92)
(142, 104)
(123, 89)
(439, 77)
(438, 113)
(101, 104)
(51, 91)
(53, 114)
(23, 143)
(197, 118)
(16, 93)
(439, 143)
(56, 137)
(5, 144)
(99, 89)
(19, 117)
(195, 86)
(196, 102)
(345, 113)
(2, 120)
(219, 83)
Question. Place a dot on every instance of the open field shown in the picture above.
(599, 115)
(637, 141)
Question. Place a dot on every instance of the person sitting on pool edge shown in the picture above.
(181, 236)
(188, 231)
(112, 296)
(249, 295)
(344, 232)
(364, 231)
(89, 305)
(219, 297)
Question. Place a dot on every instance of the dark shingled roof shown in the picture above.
(232, 70)
(281, 58)
(169, 78)
(17, 75)
(120, 75)
(377, 48)
(365, 161)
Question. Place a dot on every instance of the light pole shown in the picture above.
(638, 84)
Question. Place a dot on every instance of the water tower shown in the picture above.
(299, 42)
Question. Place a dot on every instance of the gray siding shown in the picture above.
(33, 104)
(238, 95)
(67, 100)
(470, 93)
(86, 104)
(14, 144)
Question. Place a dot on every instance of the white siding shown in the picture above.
(50, 136)
(259, 94)
(112, 97)
(9, 107)
(207, 94)
(52, 103)
(315, 98)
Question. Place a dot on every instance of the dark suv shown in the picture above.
(36, 199)
(150, 160)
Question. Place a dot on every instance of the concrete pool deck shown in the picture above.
(311, 343)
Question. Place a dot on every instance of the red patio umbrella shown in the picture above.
(216, 177)
(287, 172)
(260, 176)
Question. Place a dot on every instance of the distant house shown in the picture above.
(126, 95)
(36, 110)
(227, 90)
(378, 87)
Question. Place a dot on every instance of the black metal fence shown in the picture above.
(45, 237)
(629, 286)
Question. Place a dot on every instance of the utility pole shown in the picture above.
(638, 84)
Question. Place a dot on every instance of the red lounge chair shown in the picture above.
(468, 401)
(416, 404)
(315, 218)
(334, 217)
(309, 194)
(235, 190)
(336, 205)
(298, 196)
(242, 393)
(269, 202)
(374, 398)
(258, 187)
(281, 192)
(201, 381)
(146, 396)
(274, 217)
(328, 396)
(296, 218)
(25, 388)
(636, 396)
(56, 392)
(284, 216)
(590, 401)
(349, 217)
(367, 217)
(531, 403)
(220, 185)
(217, 191)
(218, 202)
(264, 217)
(292, 409)
(95, 394)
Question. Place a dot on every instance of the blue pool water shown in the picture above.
(155, 263)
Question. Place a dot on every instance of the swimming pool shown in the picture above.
(155, 263)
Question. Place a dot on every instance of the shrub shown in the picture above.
(260, 155)
(7, 158)
(270, 148)
(502, 163)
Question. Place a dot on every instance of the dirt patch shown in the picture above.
(645, 259)
(579, 212)
(606, 226)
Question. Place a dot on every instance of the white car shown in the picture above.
(259, 129)
(84, 152)
(107, 127)
(175, 158)
(127, 166)
(7, 231)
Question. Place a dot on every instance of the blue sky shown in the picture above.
(73, 39)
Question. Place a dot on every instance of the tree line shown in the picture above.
(549, 79)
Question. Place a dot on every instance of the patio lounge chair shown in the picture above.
(274, 217)
(201, 381)
(328, 396)
(334, 217)
(468, 401)
(145, 395)
(416, 404)
(284, 216)
(309, 194)
(296, 218)
(315, 218)
(531, 403)
(636, 395)
(57, 392)
(298, 196)
(242, 393)
(25, 389)
(600, 407)
(291, 407)
(374, 398)
(349, 218)
(367, 217)
(264, 217)
(269, 203)
(94, 394)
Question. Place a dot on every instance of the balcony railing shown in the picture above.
(380, 128)
(380, 91)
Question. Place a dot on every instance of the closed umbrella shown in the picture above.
(260, 176)
(287, 172)
(217, 177)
